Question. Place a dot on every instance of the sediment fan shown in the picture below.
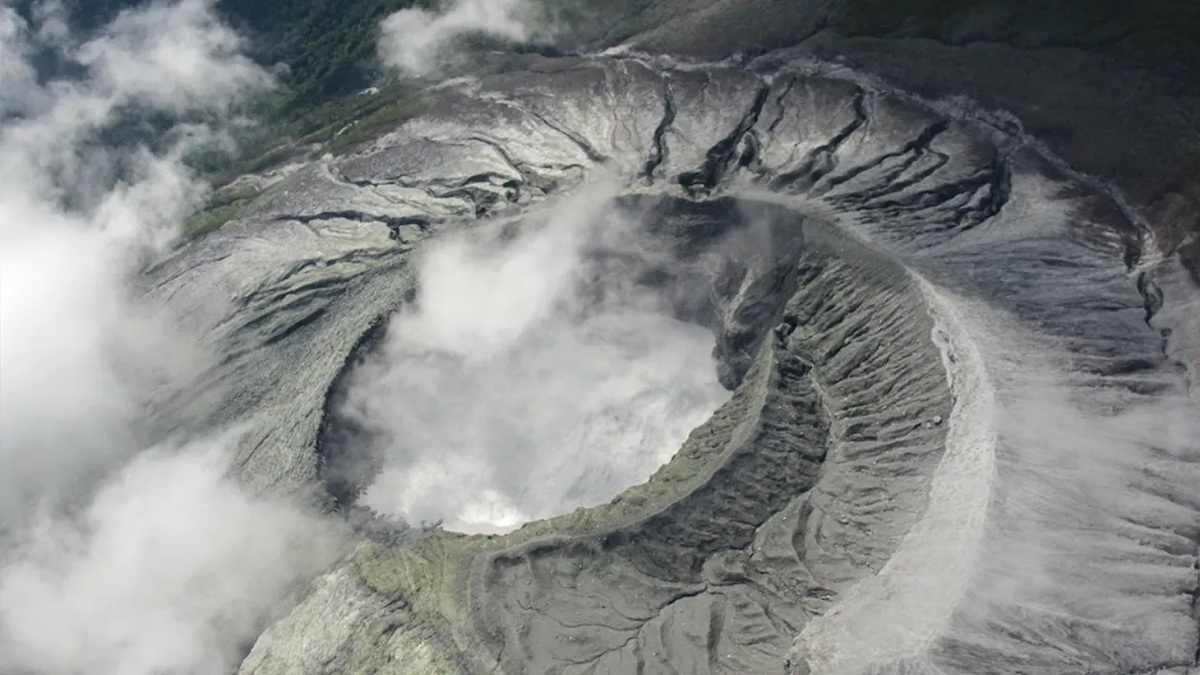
(963, 432)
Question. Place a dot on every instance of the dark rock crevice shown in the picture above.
(574, 137)
(910, 151)
(660, 148)
(719, 158)
(393, 223)
(823, 159)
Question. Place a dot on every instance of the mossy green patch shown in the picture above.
(377, 123)
(213, 218)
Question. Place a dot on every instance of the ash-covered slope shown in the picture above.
(962, 437)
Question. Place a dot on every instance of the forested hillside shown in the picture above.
(327, 47)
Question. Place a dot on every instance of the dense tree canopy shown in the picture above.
(327, 47)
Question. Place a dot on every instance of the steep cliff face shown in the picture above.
(961, 437)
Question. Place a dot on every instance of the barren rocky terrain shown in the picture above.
(962, 430)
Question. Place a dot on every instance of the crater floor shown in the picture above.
(540, 371)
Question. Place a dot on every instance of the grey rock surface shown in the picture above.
(962, 436)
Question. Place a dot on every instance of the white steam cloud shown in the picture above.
(114, 559)
(415, 40)
(534, 376)
(171, 569)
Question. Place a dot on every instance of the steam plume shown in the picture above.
(535, 375)
(115, 558)
(414, 40)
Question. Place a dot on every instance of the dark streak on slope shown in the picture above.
(779, 104)
(979, 197)
(823, 159)
(577, 139)
(913, 148)
(658, 154)
(1152, 296)
(721, 155)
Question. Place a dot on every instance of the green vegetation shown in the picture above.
(377, 123)
(224, 206)
(213, 218)
(329, 50)
(336, 126)
(323, 54)
(328, 47)
(332, 126)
